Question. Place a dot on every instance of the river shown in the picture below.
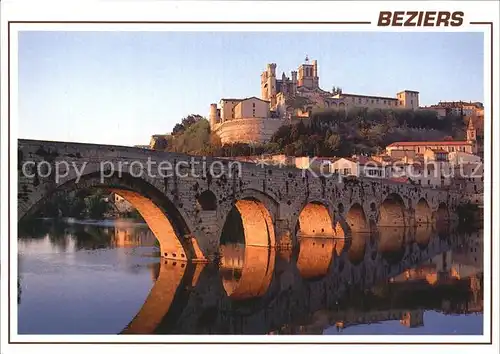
(83, 277)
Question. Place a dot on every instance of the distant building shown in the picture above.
(359, 166)
(459, 108)
(319, 164)
(158, 142)
(420, 147)
(246, 120)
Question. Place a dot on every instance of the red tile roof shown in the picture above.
(424, 143)
(400, 179)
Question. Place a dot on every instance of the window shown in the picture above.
(377, 100)
(336, 170)
(359, 100)
(347, 171)
(428, 182)
(372, 101)
(411, 101)
(385, 101)
(253, 104)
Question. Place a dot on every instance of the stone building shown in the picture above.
(247, 120)
(255, 120)
(304, 83)
(466, 109)
(420, 147)
(360, 166)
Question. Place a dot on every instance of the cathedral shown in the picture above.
(254, 120)
(300, 94)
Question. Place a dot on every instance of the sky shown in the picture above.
(122, 87)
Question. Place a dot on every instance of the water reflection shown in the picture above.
(170, 274)
(392, 243)
(315, 256)
(72, 236)
(357, 247)
(320, 291)
(423, 235)
(246, 271)
(339, 285)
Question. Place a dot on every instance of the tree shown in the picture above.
(327, 132)
(190, 120)
(333, 142)
(186, 122)
(178, 129)
(289, 150)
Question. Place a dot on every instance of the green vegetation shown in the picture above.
(325, 133)
(83, 204)
(363, 131)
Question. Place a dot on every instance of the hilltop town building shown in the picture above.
(304, 83)
(467, 109)
(420, 147)
(247, 120)
(255, 120)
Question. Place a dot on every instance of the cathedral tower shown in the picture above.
(308, 74)
(472, 135)
(268, 84)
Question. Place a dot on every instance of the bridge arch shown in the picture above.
(207, 201)
(356, 219)
(314, 220)
(269, 202)
(392, 211)
(442, 214)
(250, 219)
(423, 212)
(161, 215)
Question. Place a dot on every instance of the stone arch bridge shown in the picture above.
(186, 199)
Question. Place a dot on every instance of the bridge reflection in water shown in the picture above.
(393, 274)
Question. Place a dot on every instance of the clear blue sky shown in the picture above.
(122, 87)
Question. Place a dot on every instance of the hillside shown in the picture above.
(325, 133)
